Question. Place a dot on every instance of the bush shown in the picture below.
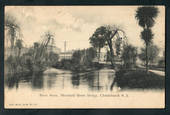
(64, 64)
(161, 63)
(129, 56)
(139, 79)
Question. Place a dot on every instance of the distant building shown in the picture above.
(104, 58)
(65, 55)
(53, 49)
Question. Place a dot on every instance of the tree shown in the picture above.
(19, 45)
(107, 34)
(118, 43)
(53, 58)
(152, 53)
(146, 19)
(90, 54)
(76, 57)
(97, 42)
(47, 40)
(36, 45)
(84, 57)
(129, 56)
(12, 28)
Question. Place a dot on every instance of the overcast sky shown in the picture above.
(75, 24)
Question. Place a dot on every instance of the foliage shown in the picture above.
(146, 16)
(129, 56)
(96, 41)
(84, 57)
(81, 60)
(19, 45)
(147, 36)
(153, 52)
(36, 45)
(11, 64)
(66, 64)
(27, 62)
(161, 63)
(18, 65)
(76, 57)
(90, 54)
(118, 43)
(52, 58)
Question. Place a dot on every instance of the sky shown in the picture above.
(75, 24)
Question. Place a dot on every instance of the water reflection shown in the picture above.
(12, 82)
(60, 79)
(75, 80)
(37, 81)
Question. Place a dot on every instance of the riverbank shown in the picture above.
(81, 68)
(139, 79)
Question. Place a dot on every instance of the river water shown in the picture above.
(58, 79)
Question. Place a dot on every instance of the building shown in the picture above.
(65, 55)
(54, 49)
(104, 58)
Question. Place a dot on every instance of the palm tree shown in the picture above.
(146, 19)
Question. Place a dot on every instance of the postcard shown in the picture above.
(84, 57)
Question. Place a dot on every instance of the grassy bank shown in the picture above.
(135, 79)
(77, 67)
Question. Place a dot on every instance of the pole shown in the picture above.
(64, 49)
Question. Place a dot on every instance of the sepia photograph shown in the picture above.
(84, 56)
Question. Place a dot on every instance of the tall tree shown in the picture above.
(12, 27)
(146, 19)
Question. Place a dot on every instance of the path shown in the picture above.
(162, 73)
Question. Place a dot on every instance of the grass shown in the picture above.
(135, 79)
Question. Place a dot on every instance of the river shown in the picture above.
(58, 79)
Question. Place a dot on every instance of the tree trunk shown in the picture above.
(147, 58)
(12, 41)
(19, 52)
(111, 52)
(99, 55)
